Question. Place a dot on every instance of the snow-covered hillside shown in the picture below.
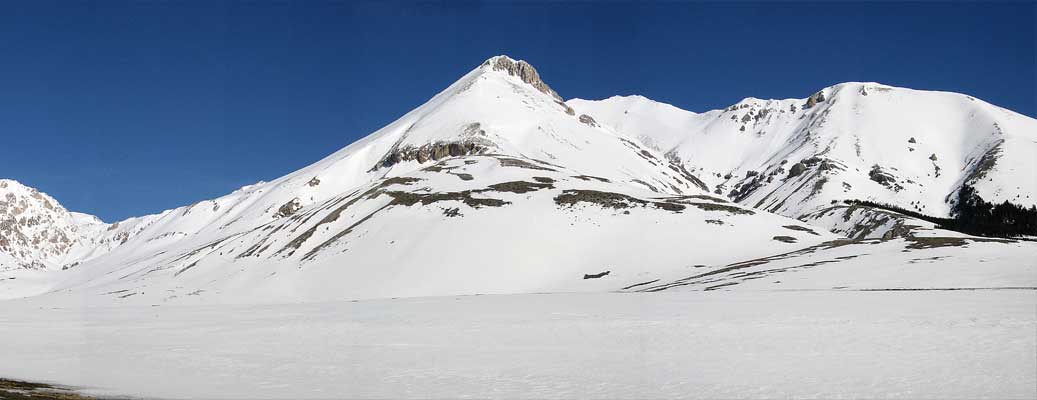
(853, 141)
(492, 186)
(495, 185)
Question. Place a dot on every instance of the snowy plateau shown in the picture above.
(500, 241)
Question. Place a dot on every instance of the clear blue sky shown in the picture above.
(122, 109)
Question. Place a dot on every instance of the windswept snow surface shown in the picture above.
(814, 344)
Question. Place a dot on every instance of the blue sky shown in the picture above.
(123, 109)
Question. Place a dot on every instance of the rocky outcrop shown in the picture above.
(587, 119)
(472, 140)
(431, 152)
(288, 208)
(814, 99)
(524, 71)
(797, 169)
(880, 176)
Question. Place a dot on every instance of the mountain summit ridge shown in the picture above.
(494, 185)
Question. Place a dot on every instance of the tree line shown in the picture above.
(975, 216)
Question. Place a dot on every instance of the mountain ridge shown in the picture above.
(493, 185)
(909, 148)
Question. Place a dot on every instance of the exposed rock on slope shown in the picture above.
(524, 71)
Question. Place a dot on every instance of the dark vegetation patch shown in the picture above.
(20, 390)
(917, 242)
(611, 200)
(439, 167)
(688, 198)
(452, 212)
(800, 228)
(406, 199)
(409, 199)
(640, 284)
(399, 180)
(715, 287)
(463, 176)
(514, 162)
(591, 178)
(975, 216)
(604, 199)
(520, 187)
(785, 239)
(646, 184)
(673, 207)
(543, 179)
(721, 207)
(934, 242)
(714, 221)
(596, 276)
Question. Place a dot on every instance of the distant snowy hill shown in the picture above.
(495, 185)
(854, 141)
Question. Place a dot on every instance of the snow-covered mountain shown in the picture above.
(853, 141)
(493, 186)
(36, 232)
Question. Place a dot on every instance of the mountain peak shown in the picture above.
(523, 70)
(35, 230)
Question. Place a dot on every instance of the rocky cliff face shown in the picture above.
(36, 232)
(524, 71)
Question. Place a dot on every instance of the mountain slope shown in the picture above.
(492, 186)
(853, 141)
(36, 232)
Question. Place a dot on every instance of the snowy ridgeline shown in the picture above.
(496, 185)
